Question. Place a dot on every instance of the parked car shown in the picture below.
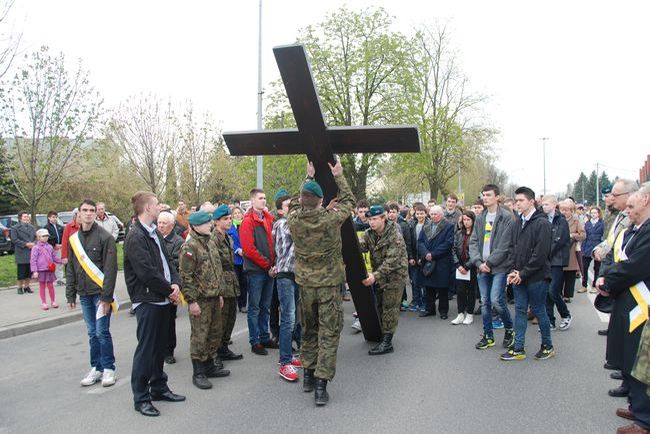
(8, 220)
(66, 216)
(5, 240)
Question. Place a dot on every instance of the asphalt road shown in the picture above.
(434, 382)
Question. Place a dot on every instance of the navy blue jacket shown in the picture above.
(594, 236)
(439, 243)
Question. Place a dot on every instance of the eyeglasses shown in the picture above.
(619, 194)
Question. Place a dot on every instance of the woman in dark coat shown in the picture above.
(594, 228)
(434, 245)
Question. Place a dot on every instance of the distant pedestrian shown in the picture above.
(43, 263)
(106, 222)
(466, 282)
(23, 236)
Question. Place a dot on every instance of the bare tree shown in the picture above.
(47, 115)
(199, 139)
(9, 38)
(144, 126)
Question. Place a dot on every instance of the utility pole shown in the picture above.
(544, 139)
(260, 166)
(597, 186)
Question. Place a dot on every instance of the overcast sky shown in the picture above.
(577, 72)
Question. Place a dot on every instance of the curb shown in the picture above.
(43, 324)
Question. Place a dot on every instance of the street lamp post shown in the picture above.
(260, 166)
(544, 139)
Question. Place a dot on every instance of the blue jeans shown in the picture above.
(555, 295)
(260, 291)
(417, 298)
(492, 288)
(99, 334)
(533, 294)
(287, 289)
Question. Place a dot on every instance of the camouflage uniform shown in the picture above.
(200, 269)
(390, 264)
(320, 272)
(641, 370)
(230, 288)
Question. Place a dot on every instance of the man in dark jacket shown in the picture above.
(531, 273)
(23, 237)
(152, 283)
(489, 250)
(415, 227)
(173, 243)
(55, 240)
(256, 238)
(560, 247)
(94, 247)
(434, 248)
(625, 277)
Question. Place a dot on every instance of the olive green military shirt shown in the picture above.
(230, 286)
(387, 254)
(200, 268)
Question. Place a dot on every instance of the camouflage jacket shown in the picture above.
(387, 254)
(641, 370)
(317, 239)
(230, 286)
(200, 268)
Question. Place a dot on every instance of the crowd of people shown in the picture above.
(284, 269)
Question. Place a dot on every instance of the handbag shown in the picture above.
(428, 267)
(51, 267)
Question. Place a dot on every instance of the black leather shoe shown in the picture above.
(609, 366)
(259, 350)
(602, 332)
(271, 343)
(616, 375)
(320, 395)
(28, 290)
(426, 313)
(170, 360)
(213, 371)
(619, 392)
(168, 396)
(146, 409)
(443, 316)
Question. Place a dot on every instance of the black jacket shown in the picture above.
(173, 244)
(143, 269)
(414, 238)
(406, 234)
(100, 249)
(531, 248)
(561, 244)
(56, 233)
(619, 277)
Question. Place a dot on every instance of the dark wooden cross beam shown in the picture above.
(320, 143)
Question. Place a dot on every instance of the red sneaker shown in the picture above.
(296, 362)
(288, 372)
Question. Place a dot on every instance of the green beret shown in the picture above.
(606, 189)
(221, 211)
(199, 217)
(279, 194)
(312, 187)
(375, 210)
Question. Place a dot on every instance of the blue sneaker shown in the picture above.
(497, 324)
(414, 308)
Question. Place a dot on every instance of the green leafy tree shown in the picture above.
(171, 182)
(581, 188)
(48, 112)
(7, 200)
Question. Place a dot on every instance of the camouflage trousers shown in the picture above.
(389, 297)
(641, 369)
(228, 317)
(206, 331)
(322, 322)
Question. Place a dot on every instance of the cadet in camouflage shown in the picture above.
(389, 262)
(319, 271)
(230, 284)
(200, 269)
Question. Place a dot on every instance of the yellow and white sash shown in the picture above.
(639, 291)
(95, 274)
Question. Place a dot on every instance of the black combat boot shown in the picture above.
(198, 376)
(226, 353)
(321, 396)
(212, 370)
(217, 362)
(308, 380)
(384, 347)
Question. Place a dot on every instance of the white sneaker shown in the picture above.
(565, 323)
(459, 319)
(469, 318)
(356, 325)
(91, 378)
(108, 378)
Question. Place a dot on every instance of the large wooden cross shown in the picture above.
(320, 143)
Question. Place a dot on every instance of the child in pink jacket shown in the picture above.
(42, 264)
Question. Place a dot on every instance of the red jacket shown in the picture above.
(69, 229)
(256, 238)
